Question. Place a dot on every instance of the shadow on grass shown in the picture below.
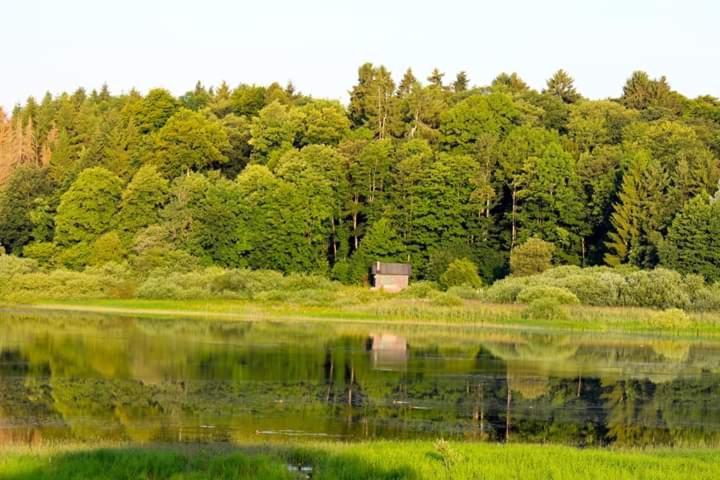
(158, 463)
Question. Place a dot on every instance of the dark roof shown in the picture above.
(383, 268)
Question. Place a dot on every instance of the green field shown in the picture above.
(411, 311)
(379, 460)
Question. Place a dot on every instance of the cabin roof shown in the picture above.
(384, 268)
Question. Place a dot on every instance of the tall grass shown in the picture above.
(375, 460)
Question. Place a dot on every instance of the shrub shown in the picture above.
(545, 309)
(445, 299)
(74, 257)
(671, 318)
(533, 256)
(601, 289)
(11, 265)
(421, 289)
(659, 288)
(107, 248)
(466, 293)
(562, 295)
(461, 272)
(43, 252)
(180, 286)
(706, 298)
(506, 290)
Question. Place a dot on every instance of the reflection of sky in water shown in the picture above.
(85, 377)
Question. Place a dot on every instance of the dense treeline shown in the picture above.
(430, 172)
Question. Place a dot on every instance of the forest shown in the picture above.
(420, 171)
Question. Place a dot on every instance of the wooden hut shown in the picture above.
(391, 277)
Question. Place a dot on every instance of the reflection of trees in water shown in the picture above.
(148, 388)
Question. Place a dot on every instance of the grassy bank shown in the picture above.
(411, 311)
(378, 460)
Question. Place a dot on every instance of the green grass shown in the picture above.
(412, 311)
(375, 460)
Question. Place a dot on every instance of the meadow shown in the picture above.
(377, 460)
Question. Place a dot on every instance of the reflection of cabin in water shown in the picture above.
(391, 277)
(389, 352)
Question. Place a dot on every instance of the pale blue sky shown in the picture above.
(318, 44)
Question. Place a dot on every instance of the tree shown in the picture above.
(196, 99)
(189, 141)
(323, 122)
(461, 82)
(639, 214)
(562, 85)
(550, 202)
(510, 83)
(693, 240)
(513, 152)
(142, 200)
(18, 198)
(461, 272)
(88, 208)
(469, 122)
(372, 100)
(273, 131)
(247, 100)
(381, 244)
(155, 110)
(533, 256)
(107, 248)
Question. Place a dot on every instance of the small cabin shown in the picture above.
(391, 277)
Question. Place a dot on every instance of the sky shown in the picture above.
(59, 46)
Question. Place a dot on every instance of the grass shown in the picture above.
(373, 460)
(413, 311)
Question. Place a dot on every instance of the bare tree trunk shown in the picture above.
(514, 218)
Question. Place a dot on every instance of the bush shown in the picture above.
(74, 257)
(43, 252)
(466, 293)
(461, 272)
(422, 289)
(671, 318)
(533, 256)
(545, 309)
(445, 299)
(600, 289)
(11, 265)
(506, 290)
(107, 248)
(706, 298)
(180, 286)
(563, 296)
(65, 284)
(659, 288)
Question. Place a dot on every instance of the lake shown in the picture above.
(87, 377)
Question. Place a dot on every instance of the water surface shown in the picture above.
(84, 377)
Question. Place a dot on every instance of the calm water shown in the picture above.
(84, 377)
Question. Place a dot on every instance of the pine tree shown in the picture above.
(562, 85)
(461, 82)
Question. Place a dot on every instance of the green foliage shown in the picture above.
(466, 293)
(461, 272)
(189, 141)
(533, 256)
(88, 208)
(43, 252)
(561, 295)
(18, 197)
(659, 288)
(445, 299)
(545, 308)
(142, 200)
(693, 239)
(107, 248)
